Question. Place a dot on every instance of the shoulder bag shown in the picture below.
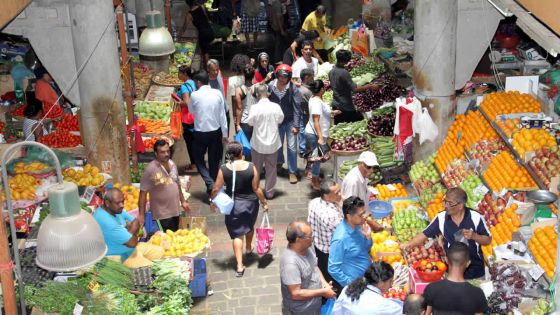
(222, 200)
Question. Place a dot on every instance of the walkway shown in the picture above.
(258, 291)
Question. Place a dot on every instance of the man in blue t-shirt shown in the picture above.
(119, 228)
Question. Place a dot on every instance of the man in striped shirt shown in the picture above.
(324, 215)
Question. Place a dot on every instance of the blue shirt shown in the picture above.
(115, 232)
(187, 87)
(370, 303)
(443, 224)
(349, 254)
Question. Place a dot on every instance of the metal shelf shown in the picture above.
(516, 155)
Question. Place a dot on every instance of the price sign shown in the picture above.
(391, 187)
(77, 309)
(536, 272)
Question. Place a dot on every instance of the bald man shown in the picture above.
(119, 228)
(302, 283)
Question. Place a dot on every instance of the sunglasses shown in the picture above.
(450, 203)
(369, 167)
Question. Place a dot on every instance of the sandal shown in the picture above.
(249, 252)
(239, 274)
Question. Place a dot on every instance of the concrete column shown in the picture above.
(435, 29)
(102, 112)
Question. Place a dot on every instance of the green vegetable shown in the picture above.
(171, 284)
(152, 110)
(341, 131)
(136, 176)
(370, 67)
(56, 297)
(109, 272)
(118, 300)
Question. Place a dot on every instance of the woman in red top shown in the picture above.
(46, 93)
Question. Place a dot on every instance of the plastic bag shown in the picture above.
(265, 236)
(176, 125)
(428, 129)
(242, 138)
(327, 308)
(360, 42)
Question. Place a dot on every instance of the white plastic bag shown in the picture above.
(428, 129)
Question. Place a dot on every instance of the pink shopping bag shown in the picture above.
(265, 235)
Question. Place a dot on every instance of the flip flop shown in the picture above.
(239, 274)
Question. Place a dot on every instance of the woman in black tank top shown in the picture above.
(199, 18)
(246, 193)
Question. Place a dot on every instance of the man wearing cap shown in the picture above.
(287, 95)
(356, 181)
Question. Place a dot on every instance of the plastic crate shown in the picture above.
(198, 283)
(380, 209)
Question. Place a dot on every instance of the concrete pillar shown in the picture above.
(435, 29)
(101, 112)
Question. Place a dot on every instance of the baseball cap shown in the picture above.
(368, 158)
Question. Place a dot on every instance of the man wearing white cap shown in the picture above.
(356, 181)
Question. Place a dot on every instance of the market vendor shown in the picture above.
(161, 181)
(47, 91)
(343, 87)
(34, 124)
(119, 228)
(458, 223)
(355, 183)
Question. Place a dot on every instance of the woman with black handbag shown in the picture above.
(317, 131)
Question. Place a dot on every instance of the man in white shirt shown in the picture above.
(356, 181)
(306, 61)
(210, 128)
(265, 117)
(216, 81)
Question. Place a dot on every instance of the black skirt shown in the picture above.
(242, 218)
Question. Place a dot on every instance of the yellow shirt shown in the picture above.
(311, 23)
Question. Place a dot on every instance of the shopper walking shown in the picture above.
(207, 105)
(250, 21)
(161, 181)
(238, 64)
(317, 128)
(185, 74)
(454, 295)
(363, 295)
(244, 100)
(324, 215)
(216, 81)
(287, 95)
(307, 77)
(306, 61)
(302, 284)
(246, 193)
(265, 117)
(264, 70)
(278, 16)
(343, 87)
(199, 18)
(350, 244)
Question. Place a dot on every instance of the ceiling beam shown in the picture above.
(11, 9)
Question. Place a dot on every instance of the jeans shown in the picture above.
(286, 132)
(301, 136)
(312, 142)
(211, 142)
(188, 131)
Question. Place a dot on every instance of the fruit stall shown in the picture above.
(506, 157)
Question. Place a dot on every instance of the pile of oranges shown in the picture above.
(386, 192)
(508, 222)
(509, 102)
(509, 126)
(543, 247)
(528, 140)
(451, 147)
(504, 172)
(476, 128)
(435, 206)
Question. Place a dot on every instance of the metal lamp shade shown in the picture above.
(69, 239)
(155, 40)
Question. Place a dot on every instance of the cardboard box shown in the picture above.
(416, 284)
(545, 10)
